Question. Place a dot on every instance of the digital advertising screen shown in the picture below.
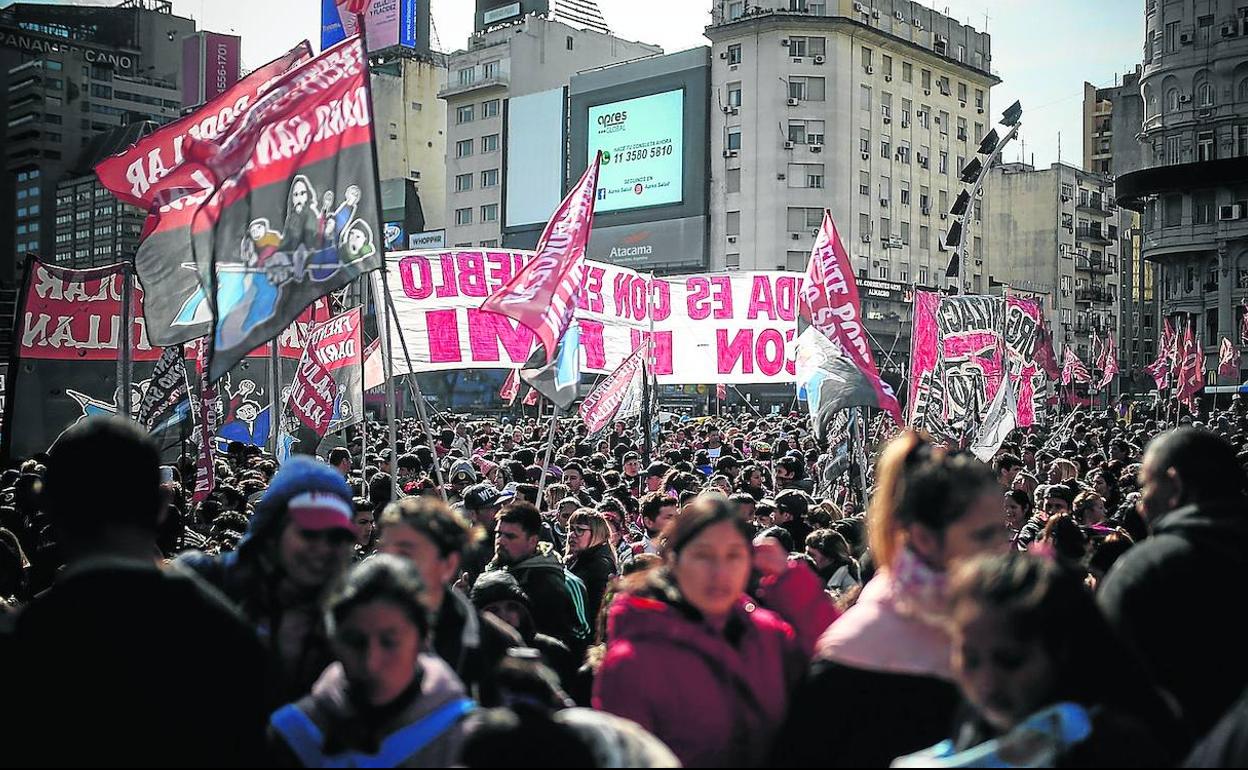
(642, 144)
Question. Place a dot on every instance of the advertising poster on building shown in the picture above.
(388, 23)
(642, 144)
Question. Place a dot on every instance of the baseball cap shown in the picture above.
(320, 511)
(484, 495)
(630, 456)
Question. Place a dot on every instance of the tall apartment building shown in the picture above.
(1192, 189)
(869, 109)
(411, 141)
(1054, 235)
(68, 74)
(1112, 117)
(532, 55)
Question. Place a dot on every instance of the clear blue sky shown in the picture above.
(1042, 51)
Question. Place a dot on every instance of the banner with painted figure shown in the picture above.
(960, 347)
(732, 328)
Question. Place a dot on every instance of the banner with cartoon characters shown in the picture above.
(337, 346)
(287, 212)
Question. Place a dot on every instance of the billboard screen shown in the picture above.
(389, 23)
(535, 131)
(642, 144)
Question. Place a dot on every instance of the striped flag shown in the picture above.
(1109, 362)
(1228, 359)
(542, 295)
(1074, 370)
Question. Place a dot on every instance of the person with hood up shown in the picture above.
(697, 662)
(300, 540)
(889, 654)
(1168, 595)
(384, 702)
(496, 594)
(558, 596)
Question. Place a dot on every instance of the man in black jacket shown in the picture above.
(96, 660)
(426, 531)
(1172, 595)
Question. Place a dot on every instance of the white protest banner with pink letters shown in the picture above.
(733, 328)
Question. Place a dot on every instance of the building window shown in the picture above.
(489, 143)
(463, 148)
(905, 233)
(732, 261)
(924, 237)
(1204, 95)
(465, 114)
(463, 182)
(467, 76)
(907, 72)
(1205, 149)
(944, 163)
(569, 43)
(1241, 140)
(734, 54)
(806, 89)
(885, 147)
(489, 177)
(1173, 210)
(864, 98)
(866, 57)
(732, 180)
(1172, 100)
(492, 69)
(1172, 150)
(886, 62)
(734, 94)
(962, 92)
(1202, 208)
(736, 10)
(905, 194)
(732, 224)
(800, 218)
(490, 109)
(864, 183)
(1172, 37)
(489, 212)
(463, 217)
(979, 98)
(797, 131)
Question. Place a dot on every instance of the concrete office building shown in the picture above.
(68, 74)
(1192, 190)
(869, 109)
(411, 142)
(1112, 117)
(1054, 236)
(531, 55)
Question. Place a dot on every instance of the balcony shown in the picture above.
(1094, 234)
(1094, 295)
(1100, 266)
(501, 80)
(1092, 203)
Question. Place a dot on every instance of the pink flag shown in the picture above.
(1160, 371)
(1191, 368)
(313, 393)
(542, 295)
(209, 415)
(829, 302)
(511, 387)
(1109, 361)
(374, 368)
(721, 392)
(531, 398)
(603, 403)
(1228, 359)
(1074, 370)
(354, 7)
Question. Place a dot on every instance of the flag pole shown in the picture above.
(646, 370)
(125, 366)
(550, 450)
(412, 382)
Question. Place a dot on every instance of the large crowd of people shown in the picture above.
(727, 591)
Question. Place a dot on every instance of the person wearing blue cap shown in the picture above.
(300, 540)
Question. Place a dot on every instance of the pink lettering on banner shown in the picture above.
(446, 288)
(768, 350)
(591, 294)
(739, 350)
(761, 299)
(662, 349)
(787, 288)
(486, 331)
(699, 289)
(416, 276)
(470, 267)
(722, 293)
(500, 266)
(662, 300)
(443, 326)
(592, 344)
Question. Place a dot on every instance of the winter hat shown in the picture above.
(298, 475)
(497, 586)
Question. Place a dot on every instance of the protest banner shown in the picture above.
(959, 350)
(733, 328)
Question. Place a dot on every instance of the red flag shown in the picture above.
(1191, 370)
(1160, 371)
(1109, 362)
(1074, 370)
(721, 392)
(209, 416)
(511, 387)
(829, 302)
(1046, 357)
(1243, 327)
(313, 393)
(374, 367)
(531, 398)
(542, 295)
(1169, 342)
(603, 403)
(153, 164)
(1228, 359)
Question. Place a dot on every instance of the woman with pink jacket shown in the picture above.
(695, 660)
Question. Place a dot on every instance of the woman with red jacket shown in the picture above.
(696, 661)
